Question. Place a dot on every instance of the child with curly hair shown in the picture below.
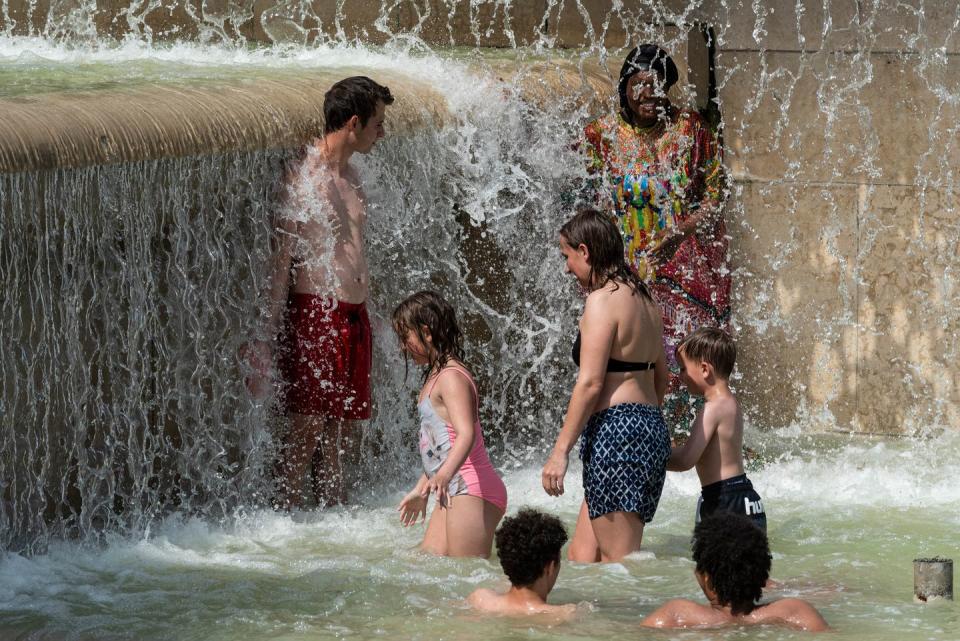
(470, 496)
(528, 546)
(733, 564)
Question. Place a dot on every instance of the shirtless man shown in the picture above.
(733, 563)
(715, 446)
(318, 292)
(528, 546)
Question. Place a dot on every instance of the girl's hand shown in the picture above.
(438, 485)
(412, 508)
(553, 472)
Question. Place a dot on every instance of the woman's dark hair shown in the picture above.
(735, 555)
(598, 232)
(527, 542)
(355, 96)
(429, 309)
(643, 58)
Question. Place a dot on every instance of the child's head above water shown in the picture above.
(712, 346)
(527, 544)
(427, 328)
(733, 560)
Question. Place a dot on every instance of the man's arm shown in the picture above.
(283, 244)
(259, 352)
(284, 239)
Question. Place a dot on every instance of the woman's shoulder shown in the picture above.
(602, 126)
(690, 120)
(607, 295)
(615, 295)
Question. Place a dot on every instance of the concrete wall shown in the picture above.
(841, 135)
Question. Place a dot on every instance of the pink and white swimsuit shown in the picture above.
(476, 477)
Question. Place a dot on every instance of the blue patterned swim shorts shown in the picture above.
(624, 450)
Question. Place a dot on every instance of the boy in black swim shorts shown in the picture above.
(715, 445)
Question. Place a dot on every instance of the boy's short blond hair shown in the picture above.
(710, 345)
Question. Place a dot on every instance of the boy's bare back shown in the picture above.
(681, 613)
(514, 603)
(720, 426)
(732, 558)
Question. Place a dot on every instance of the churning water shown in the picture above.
(135, 469)
(845, 523)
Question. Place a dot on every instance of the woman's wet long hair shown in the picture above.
(429, 309)
(598, 232)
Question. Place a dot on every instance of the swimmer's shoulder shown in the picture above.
(483, 599)
(567, 611)
(676, 613)
(796, 613)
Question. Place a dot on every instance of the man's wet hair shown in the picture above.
(734, 553)
(527, 542)
(710, 345)
(354, 96)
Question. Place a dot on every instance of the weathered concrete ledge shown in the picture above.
(76, 129)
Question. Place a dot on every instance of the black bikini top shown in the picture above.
(613, 365)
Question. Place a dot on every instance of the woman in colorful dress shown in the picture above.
(660, 172)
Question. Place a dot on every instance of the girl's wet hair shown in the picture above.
(428, 309)
(600, 235)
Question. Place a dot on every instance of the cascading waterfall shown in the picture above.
(126, 294)
(134, 287)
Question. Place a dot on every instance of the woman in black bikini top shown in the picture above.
(613, 364)
(624, 444)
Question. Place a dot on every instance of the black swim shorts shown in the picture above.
(735, 494)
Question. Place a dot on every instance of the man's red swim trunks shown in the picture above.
(325, 358)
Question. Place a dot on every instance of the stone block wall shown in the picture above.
(840, 133)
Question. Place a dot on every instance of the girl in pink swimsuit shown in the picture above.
(470, 496)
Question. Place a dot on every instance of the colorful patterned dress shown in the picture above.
(653, 180)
